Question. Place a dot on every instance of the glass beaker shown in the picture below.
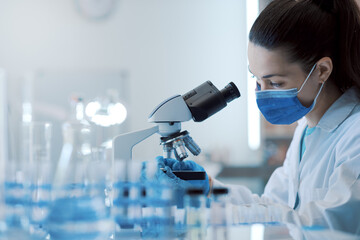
(17, 198)
(79, 208)
(28, 182)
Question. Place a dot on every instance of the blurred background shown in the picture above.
(131, 55)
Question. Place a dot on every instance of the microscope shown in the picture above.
(197, 104)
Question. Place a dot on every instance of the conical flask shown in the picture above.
(75, 153)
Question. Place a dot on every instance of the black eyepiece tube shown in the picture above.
(230, 92)
(206, 100)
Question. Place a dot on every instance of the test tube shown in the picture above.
(37, 152)
(126, 206)
(157, 205)
(220, 214)
(195, 214)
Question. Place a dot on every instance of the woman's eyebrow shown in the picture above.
(269, 75)
(273, 75)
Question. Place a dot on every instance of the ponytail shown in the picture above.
(349, 40)
(311, 29)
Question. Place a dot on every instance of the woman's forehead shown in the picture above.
(264, 62)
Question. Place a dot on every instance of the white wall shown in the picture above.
(168, 47)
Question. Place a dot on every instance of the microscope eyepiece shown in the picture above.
(206, 100)
(230, 92)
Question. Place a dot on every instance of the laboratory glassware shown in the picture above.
(3, 144)
(195, 213)
(78, 209)
(17, 197)
(37, 151)
(75, 153)
(220, 215)
(126, 206)
(158, 211)
(17, 186)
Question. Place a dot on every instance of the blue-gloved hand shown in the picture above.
(170, 165)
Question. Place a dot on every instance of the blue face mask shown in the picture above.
(283, 106)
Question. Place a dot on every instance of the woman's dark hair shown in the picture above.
(311, 29)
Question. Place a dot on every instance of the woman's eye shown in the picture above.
(274, 84)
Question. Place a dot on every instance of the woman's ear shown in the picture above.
(325, 67)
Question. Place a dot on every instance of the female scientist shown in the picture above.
(305, 58)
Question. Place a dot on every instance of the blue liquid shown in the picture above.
(17, 202)
(79, 218)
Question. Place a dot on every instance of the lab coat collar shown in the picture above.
(340, 110)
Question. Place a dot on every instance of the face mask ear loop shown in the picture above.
(308, 76)
(322, 85)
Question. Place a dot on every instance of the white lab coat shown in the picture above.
(327, 178)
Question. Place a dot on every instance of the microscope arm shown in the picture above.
(123, 144)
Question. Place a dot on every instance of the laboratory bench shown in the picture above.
(256, 231)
